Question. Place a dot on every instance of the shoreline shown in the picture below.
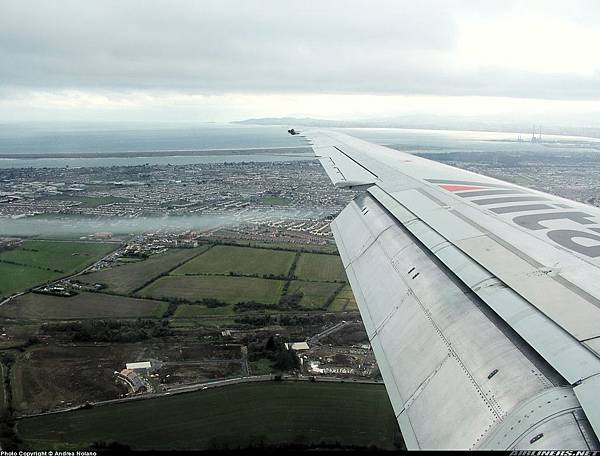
(160, 153)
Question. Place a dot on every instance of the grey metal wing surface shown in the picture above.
(481, 299)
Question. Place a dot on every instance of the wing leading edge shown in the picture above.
(478, 297)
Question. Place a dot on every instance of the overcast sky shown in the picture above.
(225, 60)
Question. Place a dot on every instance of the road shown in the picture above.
(328, 331)
(208, 385)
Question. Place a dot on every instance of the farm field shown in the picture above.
(275, 413)
(64, 351)
(14, 278)
(128, 277)
(262, 366)
(62, 257)
(225, 259)
(224, 288)
(275, 201)
(219, 274)
(32, 306)
(344, 301)
(290, 246)
(37, 262)
(320, 268)
(315, 294)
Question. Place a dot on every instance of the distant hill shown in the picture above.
(304, 121)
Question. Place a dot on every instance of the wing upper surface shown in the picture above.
(552, 244)
(533, 258)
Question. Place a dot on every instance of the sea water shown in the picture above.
(83, 145)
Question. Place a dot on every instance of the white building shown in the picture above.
(139, 366)
(297, 346)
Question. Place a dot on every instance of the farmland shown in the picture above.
(314, 294)
(90, 201)
(33, 306)
(344, 301)
(224, 288)
(275, 201)
(15, 278)
(240, 415)
(314, 248)
(227, 259)
(222, 272)
(226, 273)
(325, 268)
(63, 257)
(36, 262)
(128, 277)
(64, 350)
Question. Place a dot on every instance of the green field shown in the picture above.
(344, 301)
(225, 259)
(84, 305)
(90, 201)
(224, 288)
(128, 277)
(315, 294)
(15, 278)
(37, 262)
(324, 268)
(65, 257)
(233, 416)
(95, 201)
(214, 274)
(290, 246)
(275, 201)
(263, 366)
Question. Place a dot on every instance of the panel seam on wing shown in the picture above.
(493, 406)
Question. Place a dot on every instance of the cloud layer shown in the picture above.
(282, 46)
(230, 59)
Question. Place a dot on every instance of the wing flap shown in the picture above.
(435, 347)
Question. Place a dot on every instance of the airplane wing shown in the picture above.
(481, 299)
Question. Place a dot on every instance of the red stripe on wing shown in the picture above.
(458, 188)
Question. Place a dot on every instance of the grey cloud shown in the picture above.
(271, 46)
